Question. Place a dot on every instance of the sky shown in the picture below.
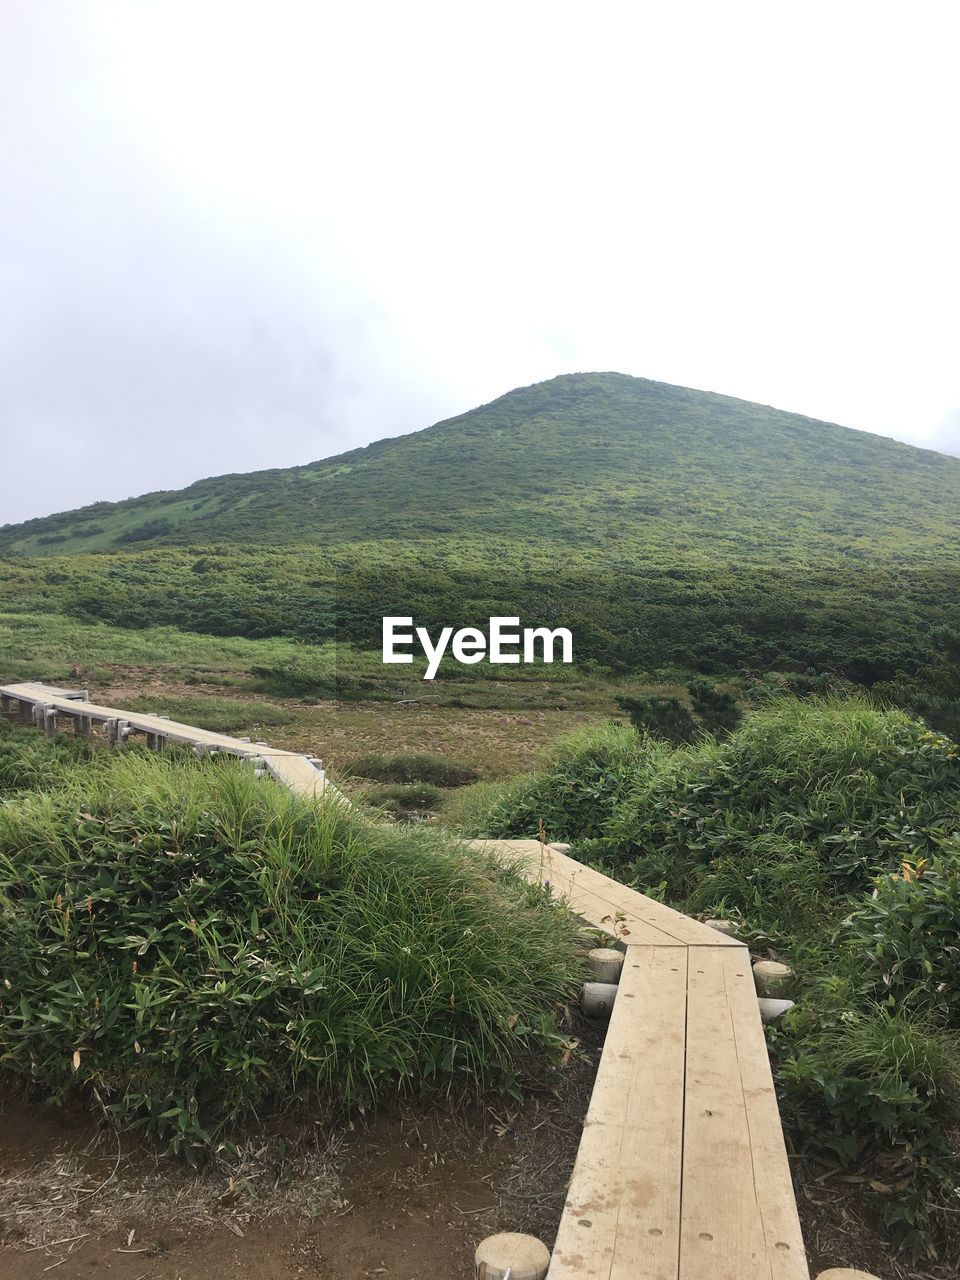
(237, 235)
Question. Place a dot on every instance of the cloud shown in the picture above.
(242, 235)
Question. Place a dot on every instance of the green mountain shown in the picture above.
(666, 526)
(583, 460)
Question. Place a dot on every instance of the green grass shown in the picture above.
(404, 800)
(195, 944)
(219, 715)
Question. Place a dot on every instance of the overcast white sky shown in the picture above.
(248, 234)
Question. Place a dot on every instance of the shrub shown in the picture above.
(665, 718)
(414, 768)
(859, 1084)
(194, 943)
(865, 789)
(716, 710)
(585, 778)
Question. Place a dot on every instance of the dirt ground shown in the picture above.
(409, 1193)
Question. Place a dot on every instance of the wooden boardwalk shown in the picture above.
(682, 1172)
(49, 708)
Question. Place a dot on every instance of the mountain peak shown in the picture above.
(585, 459)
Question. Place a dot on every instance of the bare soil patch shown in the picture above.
(408, 1192)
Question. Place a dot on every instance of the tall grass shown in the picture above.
(194, 943)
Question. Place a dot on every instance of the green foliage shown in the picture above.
(863, 789)
(31, 762)
(586, 777)
(219, 715)
(715, 709)
(907, 938)
(195, 944)
(864, 1083)
(664, 718)
(405, 800)
(413, 768)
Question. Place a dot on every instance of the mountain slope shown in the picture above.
(665, 527)
(585, 460)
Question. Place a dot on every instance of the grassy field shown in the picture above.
(497, 727)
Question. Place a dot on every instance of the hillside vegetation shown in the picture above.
(664, 526)
(590, 460)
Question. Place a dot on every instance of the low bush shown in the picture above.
(875, 1088)
(907, 938)
(666, 718)
(584, 780)
(712, 711)
(193, 943)
(864, 789)
(413, 768)
(405, 800)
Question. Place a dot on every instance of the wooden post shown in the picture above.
(6, 703)
(25, 711)
(50, 721)
(82, 726)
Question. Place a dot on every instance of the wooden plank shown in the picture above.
(622, 1215)
(598, 911)
(722, 1231)
(658, 914)
(296, 772)
(289, 767)
(721, 1237)
(599, 899)
(776, 1200)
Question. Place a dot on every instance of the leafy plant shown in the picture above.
(907, 937)
(194, 943)
(584, 780)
